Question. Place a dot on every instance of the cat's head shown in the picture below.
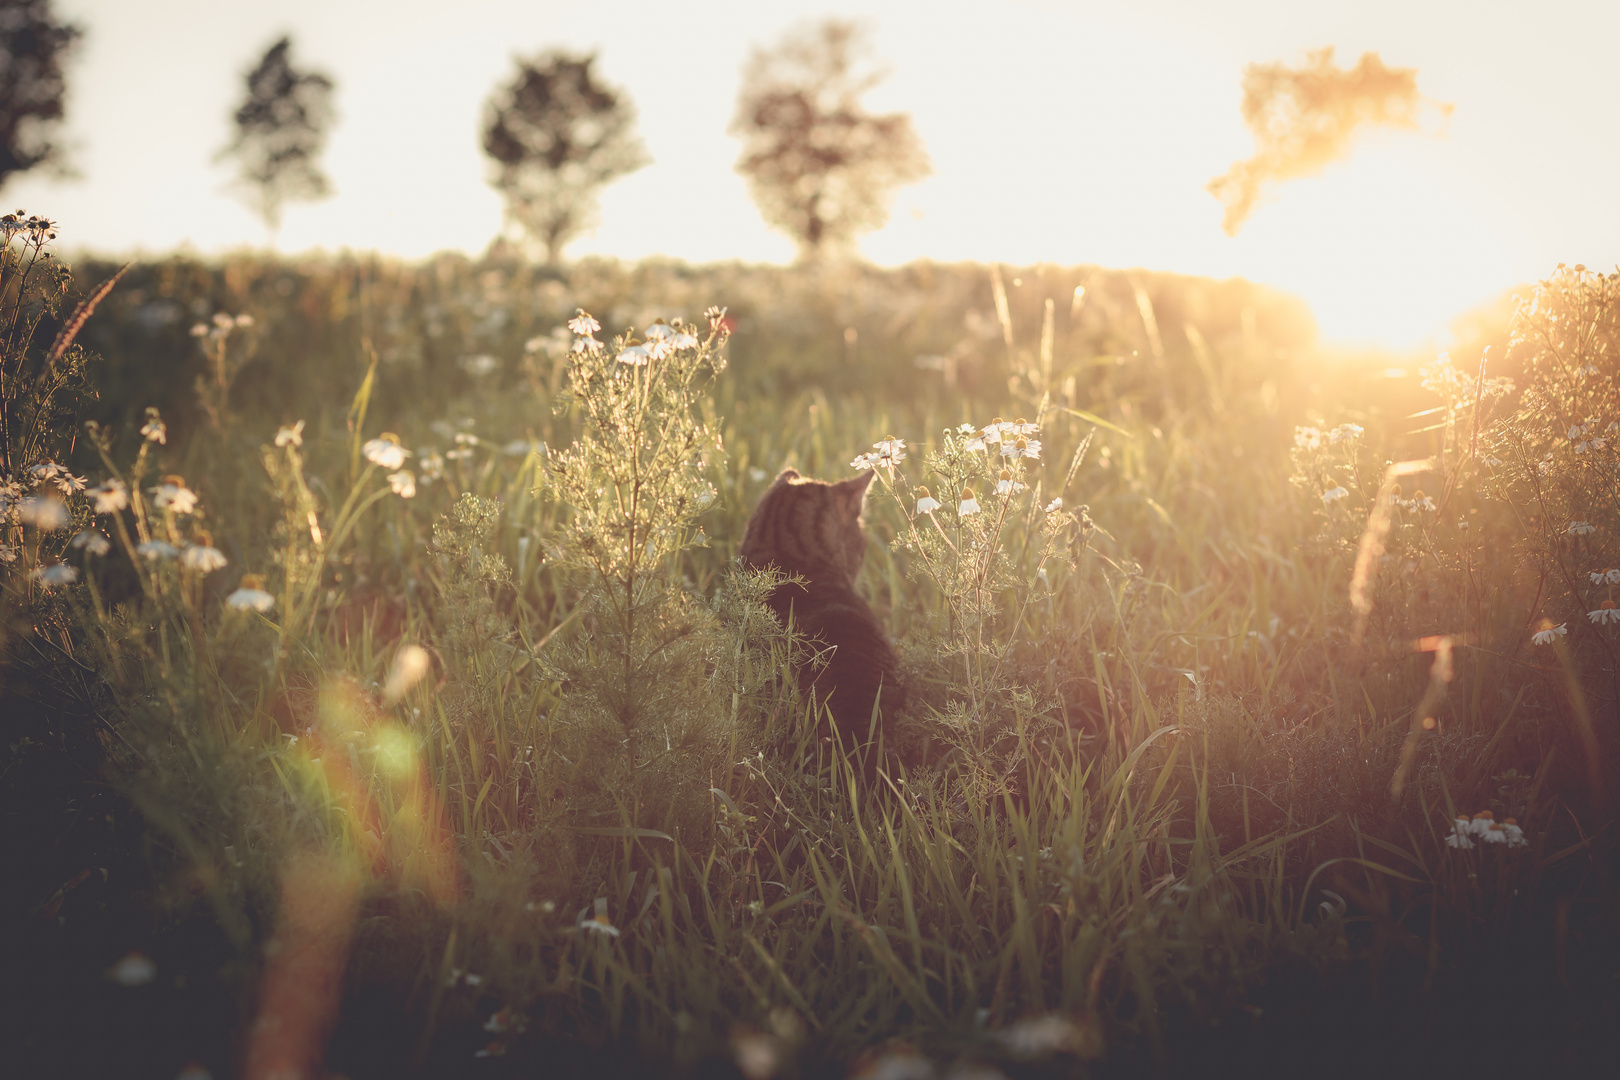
(801, 524)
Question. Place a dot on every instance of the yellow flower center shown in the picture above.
(967, 493)
(1005, 475)
(922, 492)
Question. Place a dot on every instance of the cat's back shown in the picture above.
(812, 530)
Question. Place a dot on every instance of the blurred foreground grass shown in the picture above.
(1170, 836)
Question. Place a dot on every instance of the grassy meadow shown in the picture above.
(510, 776)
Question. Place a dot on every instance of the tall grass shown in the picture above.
(1158, 823)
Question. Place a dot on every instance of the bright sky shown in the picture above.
(1063, 131)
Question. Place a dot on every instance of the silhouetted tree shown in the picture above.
(34, 46)
(280, 131)
(819, 166)
(555, 137)
(1303, 118)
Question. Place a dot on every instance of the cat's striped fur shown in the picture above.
(813, 529)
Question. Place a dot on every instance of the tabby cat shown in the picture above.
(812, 529)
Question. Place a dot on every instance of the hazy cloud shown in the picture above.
(1305, 117)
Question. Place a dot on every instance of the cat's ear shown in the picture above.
(852, 492)
(786, 476)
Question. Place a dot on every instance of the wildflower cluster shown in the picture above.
(989, 531)
(1483, 828)
(1553, 457)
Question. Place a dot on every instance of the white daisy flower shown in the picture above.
(110, 496)
(684, 340)
(926, 503)
(1461, 834)
(8, 553)
(1548, 632)
(1345, 432)
(969, 504)
(1607, 613)
(991, 432)
(1581, 528)
(56, 574)
(1613, 576)
(586, 344)
(966, 429)
(582, 324)
(1332, 495)
(290, 435)
(251, 595)
(173, 494)
(43, 512)
(864, 461)
(601, 925)
(135, 969)
(1006, 485)
(891, 447)
(1022, 427)
(1576, 432)
(155, 430)
(1022, 447)
(975, 443)
(659, 331)
(386, 451)
(202, 557)
(93, 542)
(1307, 438)
(153, 550)
(661, 348)
(1055, 505)
(403, 483)
(67, 483)
(635, 355)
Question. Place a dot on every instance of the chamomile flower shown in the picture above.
(1461, 836)
(926, 503)
(969, 504)
(659, 331)
(1420, 501)
(586, 344)
(8, 553)
(991, 432)
(1581, 528)
(203, 558)
(1055, 505)
(56, 574)
(891, 447)
(173, 494)
(684, 340)
(1022, 447)
(290, 434)
(1601, 577)
(1605, 614)
(864, 461)
(636, 355)
(600, 925)
(1006, 485)
(92, 541)
(110, 496)
(1344, 433)
(386, 451)
(582, 324)
(403, 483)
(1499, 832)
(43, 512)
(1333, 495)
(1548, 632)
(153, 550)
(251, 596)
(1022, 427)
(155, 430)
